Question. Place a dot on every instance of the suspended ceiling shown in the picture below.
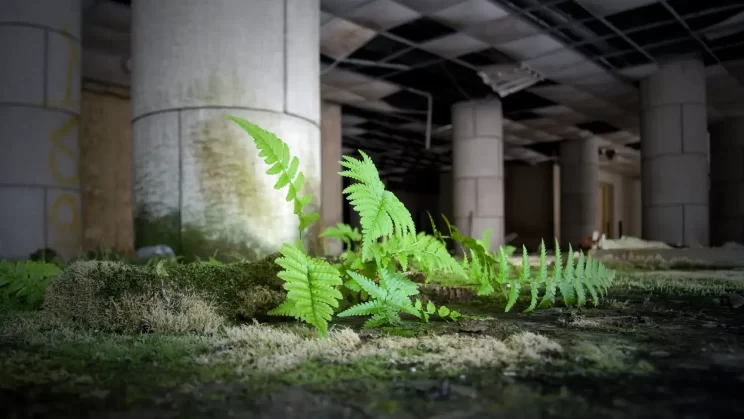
(382, 59)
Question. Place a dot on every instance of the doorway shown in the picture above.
(606, 209)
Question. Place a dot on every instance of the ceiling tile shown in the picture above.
(555, 61)
(429, 6)
(351, 120)
(562, 94)
(578, 72)
(540, 123)
(531, 47)
(454, 45)
(611, 7)
(339, 6)
(382, 15)
(339, 95)
(502, 31)
(469, 13)
(377, 105)
(639, 72)
(375, 89)
(516, 140)
(341, 78)
(339, 37)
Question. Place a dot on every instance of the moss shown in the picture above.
(231, 206)
(118, 297)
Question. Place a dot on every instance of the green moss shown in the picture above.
(118, 297)
(238, 213)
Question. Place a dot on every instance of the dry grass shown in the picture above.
(269, 349)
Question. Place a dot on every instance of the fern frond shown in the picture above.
(578, 280)
(367, 308)
(343, 232)
(380, 212)
(275, 153)
(516, 284)
(541, 278)
(310, 284)
(565, 285)
(591, 277)
(548, 298)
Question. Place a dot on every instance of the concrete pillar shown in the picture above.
(579, 179)
(478, 169)
(39, 121)
(727, 181)
(332, 201)
(674, 151)
(199, 184)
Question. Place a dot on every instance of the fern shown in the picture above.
(388, 299)
(542, 275)
(310, 284)
(548, 298)
(427, 251)
(276, 154)
(380, 212)
(343, 232)
(23, 284)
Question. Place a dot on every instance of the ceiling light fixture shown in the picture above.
(506, 79)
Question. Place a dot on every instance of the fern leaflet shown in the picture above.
(275, 153)
(380, 212)
(310, 284)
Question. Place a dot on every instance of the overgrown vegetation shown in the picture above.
(372, 271)
(388, 244)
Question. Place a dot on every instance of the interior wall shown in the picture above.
(106, 168)
(627, 202)
(529, 203)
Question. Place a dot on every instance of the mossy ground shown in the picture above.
(662, 345)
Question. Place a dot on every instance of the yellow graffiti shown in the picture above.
(59, 147)
(73, 66)
(69, 229)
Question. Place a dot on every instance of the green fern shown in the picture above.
(275, 153)
(566, 284)
(548, 298)
(539, 280)
(380, 212)
(343, 232)
(311, 288)
(23, 284)
(428, 252)
(387, 300)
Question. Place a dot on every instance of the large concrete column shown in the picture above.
(199, 184)
(39, 121)
(478, 169)
(727, 181)
(332, 200)
(674, 151)
(579, 174)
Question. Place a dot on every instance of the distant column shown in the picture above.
(727, 181)
(478, 169)
(332, 200)
(674, 151)
(39, 124)
(199, 184)
(579, 164)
